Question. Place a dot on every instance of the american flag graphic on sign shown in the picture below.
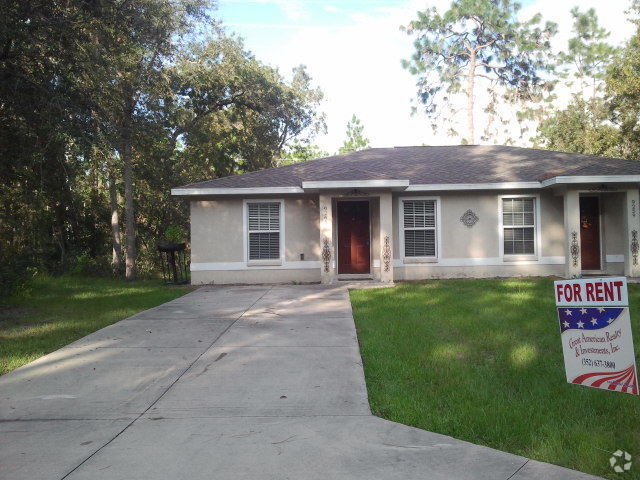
(593, 334)
(580, 318)
(622, 381)
(595, 330)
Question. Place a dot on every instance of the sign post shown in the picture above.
(595, 328)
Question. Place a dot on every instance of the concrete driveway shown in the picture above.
(224, 383)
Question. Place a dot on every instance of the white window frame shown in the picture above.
(537, 229)
(434, 258)
(245, 232)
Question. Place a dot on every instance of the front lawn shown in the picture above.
(481, 360)
(54, 311)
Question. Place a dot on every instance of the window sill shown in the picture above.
(264, 263)
(420, 260)
(520, 258)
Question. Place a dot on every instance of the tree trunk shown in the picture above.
(129, 213)
(471, 77)
(116, 260)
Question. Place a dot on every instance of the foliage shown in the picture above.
(623, 87)
(488, 369)
(355, 140)
(15, 273)
(88, 266)
(301, 152)
(55, 311)
(477, 39)
(588, 53)
(105, 101)
(601, 118)
(174, 233)
(582, 127)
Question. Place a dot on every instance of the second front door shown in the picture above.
(354, 243)
(590, 233)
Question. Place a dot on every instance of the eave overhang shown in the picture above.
(190, 192)
(403, 185)
(316, 186)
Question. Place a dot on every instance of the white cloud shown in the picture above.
(293, 9)
(331, 9)
(358, 67)
(359, 70)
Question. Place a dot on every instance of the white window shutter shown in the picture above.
(419, 220)
(264, 230)
(519, 225)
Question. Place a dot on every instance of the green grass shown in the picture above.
(481, 360)
(54, 311)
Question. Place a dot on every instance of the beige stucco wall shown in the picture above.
(216, 230)
(302, 230)
(552, 224)
(482, 240)
(217, 238)
(613, 238)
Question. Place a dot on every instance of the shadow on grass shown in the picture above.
(59, 310)
(481, 360)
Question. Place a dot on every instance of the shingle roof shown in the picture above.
(433, 165)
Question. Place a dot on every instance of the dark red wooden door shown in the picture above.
(354, 250)
(590, 232)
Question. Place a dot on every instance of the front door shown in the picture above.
(354, 250)
(590, 232)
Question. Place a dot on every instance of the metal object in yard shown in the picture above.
(174, 262)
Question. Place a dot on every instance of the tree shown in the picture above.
(47, 171)
(588, 54)
(584, 126)
(223, 112)
(301, 152)
(355, 140)
(477, 39)
(101, 101)
(623, 88)
(138, 66)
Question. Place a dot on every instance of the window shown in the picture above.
(263, 221)
(419, 225)
(519, 225)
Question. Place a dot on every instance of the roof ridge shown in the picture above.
(289, 166)
(430, 164)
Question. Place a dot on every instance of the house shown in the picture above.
(410, 213)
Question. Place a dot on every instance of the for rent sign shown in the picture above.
(595, 328)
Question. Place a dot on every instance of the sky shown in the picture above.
(353, 50)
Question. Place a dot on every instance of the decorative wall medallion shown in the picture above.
(575, 248)
(635, 246)
(469, 218)
(324, 212)
(386, 253)
(633, 207)
(326, 254)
